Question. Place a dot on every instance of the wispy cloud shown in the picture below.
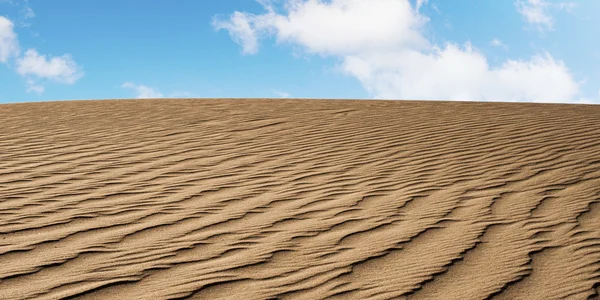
(9, 44)
(498, 43)
(281, 94)
(28, 13)
(241, 28)
(538, 13)
(142, 91)
(420, 3)
(25, 12)
(33, 86)
(183, 94)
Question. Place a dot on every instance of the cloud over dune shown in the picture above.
(142, 91)
(61, 69)
(32, 65)
(381, 43)
(9, 45)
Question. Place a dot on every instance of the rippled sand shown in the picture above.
(296, 199)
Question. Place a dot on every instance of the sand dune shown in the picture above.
(298, 199)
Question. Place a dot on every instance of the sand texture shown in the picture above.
(299, 199)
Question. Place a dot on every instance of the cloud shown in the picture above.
(240, 27)
(28, 13)
(32, 86)
(455, 73)
(33, 65)
(498, 43)
(9, 45)
(538, 13)
(331, 28)
(381, 43)
(61, 69)
(25, 12)
(566, 6)
(142, 91)
(281, 94)
(535, 12)
(182, 94)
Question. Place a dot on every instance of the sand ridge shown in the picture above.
(299, 199)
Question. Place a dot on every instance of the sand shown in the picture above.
(299, 199)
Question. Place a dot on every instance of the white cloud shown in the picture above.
(538, 13)
(498, 43)
(456, 73)
(32, 65)
(241, 27)
(420, 3)
(281, 94)
(32, 86)
(535, 12)
(142, 91)
(28, 13)
(61, 69)
(9, 45)
(182, 94)
(380, 42)
(25, 12)
(567, 6)
(332, 28)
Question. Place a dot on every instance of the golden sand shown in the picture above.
(299, 199)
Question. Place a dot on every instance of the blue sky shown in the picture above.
(522, 50)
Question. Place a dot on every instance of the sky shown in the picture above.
(471, 50)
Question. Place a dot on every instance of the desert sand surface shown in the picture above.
(299, 199)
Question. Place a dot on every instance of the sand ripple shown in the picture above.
(291, 199)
